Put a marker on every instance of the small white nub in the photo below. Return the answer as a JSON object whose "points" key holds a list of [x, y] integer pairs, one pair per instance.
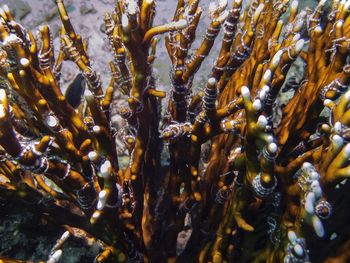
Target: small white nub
{"points": [[299, 45], [318, 227], [337, 127], [294, 5], [96, 215], [325, 127], [268, 75], [51, 121], [275, 61], [310, 203], [6, 8], [212, 7], [222, 17], [125, 21], [65, 235], [300, 22], [238, 150], [245, 93], [96, 129], [318, 29], [347, 151], [24, 62], [2, 13], [132, 8], [339, 24], [346, 6], [333, 236], [328, 103], [88, 93], [316, 188], [2, 111], [266, 88], [258, 12], [298, 249], [347, 95], [212, 82], [102, 198], [106, 169], [296, 37], [337, 141], [262, 121], [2, 95], [269, 139], [222, 3], [262, 95], [292, 236], [306, 166], [92, 155], [257, 105], [272, 147], [314, 175], [55, 257]]}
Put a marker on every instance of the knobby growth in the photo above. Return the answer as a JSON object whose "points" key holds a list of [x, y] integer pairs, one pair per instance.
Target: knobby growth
{"points": [[267, 191]]}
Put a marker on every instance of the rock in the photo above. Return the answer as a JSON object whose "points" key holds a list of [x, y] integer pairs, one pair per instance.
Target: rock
{"points": [[20, 8], [87, 8], [108, 2], [103, 28]]}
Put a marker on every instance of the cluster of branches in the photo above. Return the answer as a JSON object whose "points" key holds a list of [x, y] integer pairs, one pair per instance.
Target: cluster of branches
{"points": [[262, 194]]}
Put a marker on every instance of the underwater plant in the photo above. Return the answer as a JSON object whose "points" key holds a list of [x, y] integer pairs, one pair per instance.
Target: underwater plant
{"points": [[225, 174]]}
